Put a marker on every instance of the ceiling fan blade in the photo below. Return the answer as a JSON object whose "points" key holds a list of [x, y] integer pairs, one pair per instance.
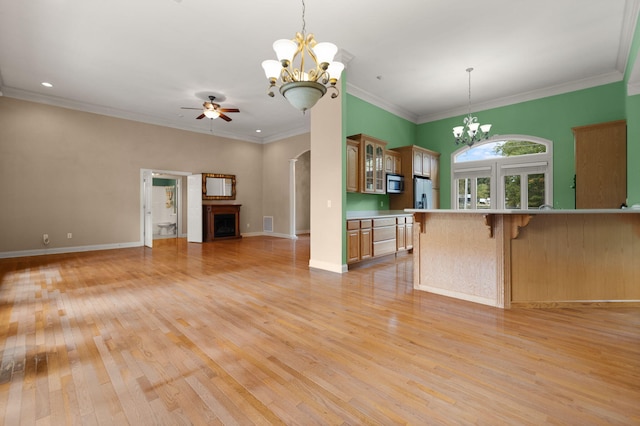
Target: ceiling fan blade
{"points": [[200, 116], [189, 108], [224, 117], [228, 110]]}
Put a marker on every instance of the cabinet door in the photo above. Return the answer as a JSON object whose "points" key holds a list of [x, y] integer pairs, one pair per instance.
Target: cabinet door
{"points": [[353, 246], [408, 236], [601, 165], [366, 243], [369, 167], [389, 163], [426, 164], [352, 167], [435, 171], [417, 163], [398, 164], [401, 230], [380, 184]]}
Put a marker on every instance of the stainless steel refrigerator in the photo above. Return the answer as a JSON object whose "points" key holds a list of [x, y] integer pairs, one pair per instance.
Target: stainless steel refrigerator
{"points": [[422, 193]]}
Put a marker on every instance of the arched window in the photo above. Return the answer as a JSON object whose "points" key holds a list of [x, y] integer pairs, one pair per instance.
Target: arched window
{"points": [[504, 172]]}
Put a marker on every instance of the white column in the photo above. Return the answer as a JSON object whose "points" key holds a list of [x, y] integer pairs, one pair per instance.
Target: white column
{"points": [[292, 198]]}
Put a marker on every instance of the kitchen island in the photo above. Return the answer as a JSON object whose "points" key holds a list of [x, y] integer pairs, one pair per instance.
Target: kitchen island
{"points": [[529, 258]]}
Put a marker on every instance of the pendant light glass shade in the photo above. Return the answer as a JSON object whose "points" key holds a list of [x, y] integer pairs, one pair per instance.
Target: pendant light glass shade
{"points": [[303, 95], [285, 49], [325, 52]]}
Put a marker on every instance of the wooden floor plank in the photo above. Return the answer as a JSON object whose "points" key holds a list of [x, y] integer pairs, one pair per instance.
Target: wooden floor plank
{"points": [[243, 332]]}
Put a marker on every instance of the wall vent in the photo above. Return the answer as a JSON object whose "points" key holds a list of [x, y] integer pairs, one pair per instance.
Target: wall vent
{"points": [[267, 223]]}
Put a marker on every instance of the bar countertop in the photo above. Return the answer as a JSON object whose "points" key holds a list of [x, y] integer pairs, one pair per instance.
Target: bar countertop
{"points": [[528, 212]]}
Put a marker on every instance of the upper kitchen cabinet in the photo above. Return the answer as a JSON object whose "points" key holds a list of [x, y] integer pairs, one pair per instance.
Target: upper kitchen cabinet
{"points": [[392, 162], [425, 162], [601, 165], [353, 159], [371, 174]]}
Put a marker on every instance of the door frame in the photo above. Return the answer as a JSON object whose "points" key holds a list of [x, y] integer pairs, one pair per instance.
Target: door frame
{"points": [[146, 200]]}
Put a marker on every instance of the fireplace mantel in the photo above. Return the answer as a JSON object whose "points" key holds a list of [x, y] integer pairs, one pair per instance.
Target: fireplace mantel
{"points": [[220, 221]]}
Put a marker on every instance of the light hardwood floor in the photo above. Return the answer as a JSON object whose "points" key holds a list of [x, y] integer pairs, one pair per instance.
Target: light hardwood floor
{"points": [[242, 332]]}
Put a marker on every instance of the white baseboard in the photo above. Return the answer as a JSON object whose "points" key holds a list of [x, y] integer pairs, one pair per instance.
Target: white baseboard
{"points": [[59, 250], [325, 266]]}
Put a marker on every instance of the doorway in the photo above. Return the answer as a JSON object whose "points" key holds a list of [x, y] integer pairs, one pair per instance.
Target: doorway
{"points": [[163, 204]]}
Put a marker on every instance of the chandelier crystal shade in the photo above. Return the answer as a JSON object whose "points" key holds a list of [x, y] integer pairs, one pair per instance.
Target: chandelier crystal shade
{"points": [[472, 131], [303, 87]]}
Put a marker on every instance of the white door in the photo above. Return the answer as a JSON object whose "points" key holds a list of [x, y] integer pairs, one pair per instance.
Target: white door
{"points": [[194, 208], [147, 182]]}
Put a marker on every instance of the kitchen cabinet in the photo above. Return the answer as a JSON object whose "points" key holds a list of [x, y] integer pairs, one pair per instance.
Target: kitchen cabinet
{"points": [[353, 166], [421, 163], [371, 175], [392, 162], [404, 233], [375, 236], [601, 165], [359, 242], [424, 163]]}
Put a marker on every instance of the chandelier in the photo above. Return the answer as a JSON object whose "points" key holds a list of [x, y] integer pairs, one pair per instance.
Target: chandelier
{"points": [[302, 87], [469, 133]]}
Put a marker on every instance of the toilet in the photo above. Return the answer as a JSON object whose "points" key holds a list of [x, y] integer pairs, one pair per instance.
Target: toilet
{"points": [[166, 228]]}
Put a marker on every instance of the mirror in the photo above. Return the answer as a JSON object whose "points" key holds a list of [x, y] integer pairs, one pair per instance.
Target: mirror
{"points": [[218, 187]]}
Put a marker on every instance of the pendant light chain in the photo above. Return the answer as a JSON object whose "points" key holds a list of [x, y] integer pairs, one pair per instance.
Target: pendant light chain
{"points": [[469, 72], [304, 23]]}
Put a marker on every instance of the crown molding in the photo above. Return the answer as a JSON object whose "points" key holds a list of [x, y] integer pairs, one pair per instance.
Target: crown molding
{"points": [[381, 103], [573, 86], [630, 20]]}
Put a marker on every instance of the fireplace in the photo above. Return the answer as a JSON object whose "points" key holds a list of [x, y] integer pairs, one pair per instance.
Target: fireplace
{"points": [[221, 221], [224, 225]]}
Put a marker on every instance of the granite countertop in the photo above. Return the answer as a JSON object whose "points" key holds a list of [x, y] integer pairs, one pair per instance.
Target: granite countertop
{"points": [[375, 214], [529, 212]]}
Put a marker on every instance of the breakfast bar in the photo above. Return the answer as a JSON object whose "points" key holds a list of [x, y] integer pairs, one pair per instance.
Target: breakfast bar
{"points": [[529, 258]]}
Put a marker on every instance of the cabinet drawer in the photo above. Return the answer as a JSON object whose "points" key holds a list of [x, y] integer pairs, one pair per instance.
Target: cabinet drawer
{"points": [[384, 247], [387, 221], [353, 224], [365, 223], [401, 220], [385, 233], [409, 219]]}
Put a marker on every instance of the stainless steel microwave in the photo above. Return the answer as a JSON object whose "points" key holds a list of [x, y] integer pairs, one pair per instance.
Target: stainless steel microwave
{"points": [[395, 183]]}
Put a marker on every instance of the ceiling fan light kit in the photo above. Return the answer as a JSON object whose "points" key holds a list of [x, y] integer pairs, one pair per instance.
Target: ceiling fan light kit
{"points": [[303, 88], [471, 132]]}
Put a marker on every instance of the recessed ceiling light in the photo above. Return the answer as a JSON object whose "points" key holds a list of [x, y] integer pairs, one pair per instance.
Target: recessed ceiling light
{"points": [[45, 84], [258, 131]]}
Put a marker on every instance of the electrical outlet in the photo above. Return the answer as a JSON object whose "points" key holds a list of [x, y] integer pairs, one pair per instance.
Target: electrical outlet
{"points": [[381, 203], [248, 225], [45, 239], [69, 235]]}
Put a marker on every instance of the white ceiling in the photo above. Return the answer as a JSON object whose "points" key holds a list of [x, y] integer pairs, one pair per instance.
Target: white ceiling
{"points": [[144, 59]]}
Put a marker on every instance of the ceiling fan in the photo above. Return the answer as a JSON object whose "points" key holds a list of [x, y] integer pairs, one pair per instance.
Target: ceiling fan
{"points": [[213, 110]]}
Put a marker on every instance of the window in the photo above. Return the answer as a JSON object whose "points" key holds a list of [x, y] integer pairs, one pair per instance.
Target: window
{"points": [[510, 172]]}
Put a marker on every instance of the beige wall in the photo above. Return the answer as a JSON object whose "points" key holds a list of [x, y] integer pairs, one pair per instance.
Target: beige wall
{"points": [[70, 171], [276, 167]]}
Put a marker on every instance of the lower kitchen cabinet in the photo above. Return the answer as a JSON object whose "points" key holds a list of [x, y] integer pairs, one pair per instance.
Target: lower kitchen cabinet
{"points": [[378, 236]]}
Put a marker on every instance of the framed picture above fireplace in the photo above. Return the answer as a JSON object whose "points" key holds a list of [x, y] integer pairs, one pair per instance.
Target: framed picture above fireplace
{"points": [[218, 187]]}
